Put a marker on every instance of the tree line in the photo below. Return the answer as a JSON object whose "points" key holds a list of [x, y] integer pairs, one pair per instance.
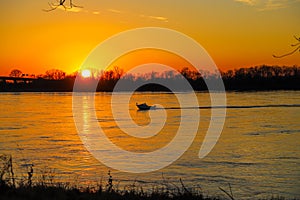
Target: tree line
{"points": [[262, 77], [52, 74]]}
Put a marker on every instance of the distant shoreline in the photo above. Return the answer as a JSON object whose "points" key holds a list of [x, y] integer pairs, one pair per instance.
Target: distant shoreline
{"points": [[262, 78], [155, 89], [151, 91]]}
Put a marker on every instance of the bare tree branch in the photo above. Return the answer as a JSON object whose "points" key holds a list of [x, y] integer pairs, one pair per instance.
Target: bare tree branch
{"points": [[62, 4], [297, 45], [298, 48], [73, 5], [293, 45], [298, 39]]}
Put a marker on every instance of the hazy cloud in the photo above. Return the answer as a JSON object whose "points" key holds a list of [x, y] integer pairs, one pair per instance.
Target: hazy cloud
{"points": [[114, 10], [160, 18], [262, 5], [96, 12], [250, 2]]}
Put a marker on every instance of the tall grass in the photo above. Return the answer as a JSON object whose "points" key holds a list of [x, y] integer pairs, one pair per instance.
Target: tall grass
{"points": [[46, 188]]}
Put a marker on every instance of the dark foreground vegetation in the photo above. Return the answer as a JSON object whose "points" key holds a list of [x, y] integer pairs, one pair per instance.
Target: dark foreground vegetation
{"points": [[243, 79], [62, 193], [14, 188]]}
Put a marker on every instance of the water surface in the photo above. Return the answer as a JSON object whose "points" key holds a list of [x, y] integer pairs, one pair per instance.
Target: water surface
{"points": [[257, 153]]}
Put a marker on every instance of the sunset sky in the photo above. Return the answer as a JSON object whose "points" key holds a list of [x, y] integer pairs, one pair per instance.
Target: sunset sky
{"points": [[236, 33]]}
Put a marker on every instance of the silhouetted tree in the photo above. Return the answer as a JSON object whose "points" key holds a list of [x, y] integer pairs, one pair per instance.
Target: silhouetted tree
{"points": [[72, 76], [55, 74], [118, 72], [185, 72], [15, 73], [254, 78]]}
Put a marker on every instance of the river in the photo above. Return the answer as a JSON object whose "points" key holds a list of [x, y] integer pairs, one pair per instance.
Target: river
{"points": [[257, 152]]}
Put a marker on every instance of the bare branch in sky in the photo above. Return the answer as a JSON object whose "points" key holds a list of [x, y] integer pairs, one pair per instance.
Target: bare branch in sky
{"points": [[61, 3], [297, 45]]}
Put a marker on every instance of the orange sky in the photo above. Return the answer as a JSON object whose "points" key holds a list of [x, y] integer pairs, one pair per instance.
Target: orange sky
{"points": [[236, 33], [140, 57]]}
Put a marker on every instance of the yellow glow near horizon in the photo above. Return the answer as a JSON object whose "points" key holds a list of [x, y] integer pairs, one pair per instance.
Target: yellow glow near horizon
{"points": [[86, 73]]}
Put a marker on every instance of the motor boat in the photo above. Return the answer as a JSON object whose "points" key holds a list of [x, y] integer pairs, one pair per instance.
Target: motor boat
{"points": [[144, 106]]}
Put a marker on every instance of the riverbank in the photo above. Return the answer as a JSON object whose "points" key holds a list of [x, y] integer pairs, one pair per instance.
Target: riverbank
{"points": [[64, 191], [45, 187]]}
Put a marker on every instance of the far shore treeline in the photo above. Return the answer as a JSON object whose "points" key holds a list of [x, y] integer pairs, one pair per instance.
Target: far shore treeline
{"points": [[243, 79]]}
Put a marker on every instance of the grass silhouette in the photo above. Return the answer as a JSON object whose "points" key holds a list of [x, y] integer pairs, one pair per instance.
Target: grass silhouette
{"points": [[46, 188]]}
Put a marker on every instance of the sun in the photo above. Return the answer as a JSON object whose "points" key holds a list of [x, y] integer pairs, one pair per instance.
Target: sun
{"points": [[86, 73]]}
